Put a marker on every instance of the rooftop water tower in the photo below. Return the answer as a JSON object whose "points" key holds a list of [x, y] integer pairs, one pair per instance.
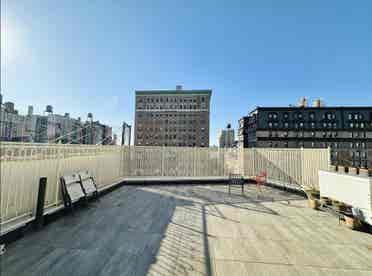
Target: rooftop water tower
{"points": [[90, 116], [49, 109]]}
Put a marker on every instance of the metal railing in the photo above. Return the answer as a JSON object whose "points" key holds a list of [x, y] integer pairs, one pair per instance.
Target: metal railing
{"points": [[22, 164]]}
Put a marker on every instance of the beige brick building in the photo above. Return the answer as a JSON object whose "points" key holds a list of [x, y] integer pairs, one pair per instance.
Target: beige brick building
{"points": [[172, 118]]}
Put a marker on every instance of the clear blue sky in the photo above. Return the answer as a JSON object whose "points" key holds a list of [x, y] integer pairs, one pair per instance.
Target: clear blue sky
{"points": [[90, 55]]}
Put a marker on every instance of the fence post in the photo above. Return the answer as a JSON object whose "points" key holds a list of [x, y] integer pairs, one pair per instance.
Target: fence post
{"points": [[131, 156], [242, 161], [162, 160], [39, 218], [302, 166], [59, 157], [254, 161], [193, 160], [121, 169], [329, 158]]}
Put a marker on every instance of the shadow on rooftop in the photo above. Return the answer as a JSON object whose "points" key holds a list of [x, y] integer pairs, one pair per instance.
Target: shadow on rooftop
{"points": [[147, 230], [131, 231]]}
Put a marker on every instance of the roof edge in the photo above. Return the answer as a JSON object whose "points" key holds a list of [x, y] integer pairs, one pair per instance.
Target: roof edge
{"points": [[173, 91]]}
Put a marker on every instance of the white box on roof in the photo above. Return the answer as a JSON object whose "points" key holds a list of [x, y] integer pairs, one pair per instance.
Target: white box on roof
{"points": [[352, 190]]}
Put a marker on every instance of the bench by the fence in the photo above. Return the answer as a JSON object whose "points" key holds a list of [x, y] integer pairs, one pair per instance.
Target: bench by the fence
{"points": [[72, 190], [88, 184], [77, 186]]}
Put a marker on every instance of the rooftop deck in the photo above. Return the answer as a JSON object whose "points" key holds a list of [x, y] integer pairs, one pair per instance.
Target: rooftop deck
{"points": [[192, 230]]}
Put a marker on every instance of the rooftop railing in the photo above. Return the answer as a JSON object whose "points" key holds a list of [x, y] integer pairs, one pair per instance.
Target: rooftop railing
{"points": [[22, 164]]}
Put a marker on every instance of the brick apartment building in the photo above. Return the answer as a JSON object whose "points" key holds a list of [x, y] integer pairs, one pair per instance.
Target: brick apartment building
{"points": [[172, 117], [346, 130]]}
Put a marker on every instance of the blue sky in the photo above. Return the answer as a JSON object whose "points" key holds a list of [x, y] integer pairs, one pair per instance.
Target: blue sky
{"points": [[90, 55]]}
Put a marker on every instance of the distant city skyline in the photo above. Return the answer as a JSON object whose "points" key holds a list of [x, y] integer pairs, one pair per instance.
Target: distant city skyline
{"points": [[24, 110], [51, 127], [89, 56]]}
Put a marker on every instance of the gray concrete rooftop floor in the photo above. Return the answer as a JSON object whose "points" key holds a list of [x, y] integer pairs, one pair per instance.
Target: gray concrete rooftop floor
{"points": [[192, 230]]}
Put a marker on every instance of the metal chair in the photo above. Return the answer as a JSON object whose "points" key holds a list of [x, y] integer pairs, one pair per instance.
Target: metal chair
{"points": [[261, 180], [236, 179]]}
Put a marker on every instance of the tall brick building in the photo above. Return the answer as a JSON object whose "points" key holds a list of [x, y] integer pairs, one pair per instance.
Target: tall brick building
{"points": [[172, 118]]}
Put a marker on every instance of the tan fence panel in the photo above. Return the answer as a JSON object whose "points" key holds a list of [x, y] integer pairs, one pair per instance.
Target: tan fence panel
{"points": [[180, 162], [17, 197], [282, 165], [312, 162], [22, 165], [296, 168]]}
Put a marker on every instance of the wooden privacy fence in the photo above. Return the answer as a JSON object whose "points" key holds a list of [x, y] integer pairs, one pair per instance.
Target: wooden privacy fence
{"points": [[22, 164]]}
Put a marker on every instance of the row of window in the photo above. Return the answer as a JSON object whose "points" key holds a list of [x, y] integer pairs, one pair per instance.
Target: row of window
{"points": [[302, 125], [169, 129], [166, 136], [328, 125], [355, 116], [157, 129], [330, 134], [171, 144], [300, 116], [352, 154], [358, 154], [174, 122], [357, 125], [160, 107], [168, 99], [301, 134], [167, 115], [357, 145]]}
